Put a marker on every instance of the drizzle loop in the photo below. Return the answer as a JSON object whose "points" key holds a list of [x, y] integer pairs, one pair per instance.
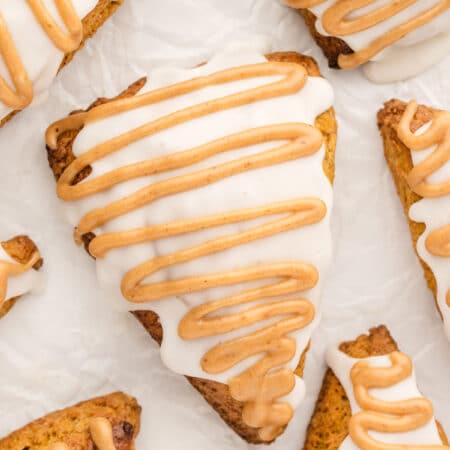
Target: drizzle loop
{"points": [[10, 269], [22, 94], [438, 134], [336, 22], [384, 416], [260, 386]]}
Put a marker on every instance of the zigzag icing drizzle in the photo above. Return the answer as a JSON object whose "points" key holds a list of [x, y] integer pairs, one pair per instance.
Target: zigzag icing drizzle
{"points": [[430, 178], [22, 94], [388, 411], [374, 28], [270, 310], [54, 28]]}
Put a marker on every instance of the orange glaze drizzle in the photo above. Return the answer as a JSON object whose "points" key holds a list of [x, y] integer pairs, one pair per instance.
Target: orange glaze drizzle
{"points": [[438, 134], [22, 94], [260, 386], [101, 433], [11, 269], [384, 416], [336, 22]]}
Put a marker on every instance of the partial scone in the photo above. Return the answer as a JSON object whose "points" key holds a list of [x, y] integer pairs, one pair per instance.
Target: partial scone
{"points": [[229, 240], [416, 145], [398, 40], [37, 42], [357, 407], [103, 423], [19, 262]]}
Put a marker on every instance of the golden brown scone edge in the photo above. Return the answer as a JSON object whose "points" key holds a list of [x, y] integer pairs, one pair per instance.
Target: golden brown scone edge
{"points": [[71, 425], [331, 46], [398, 157]]}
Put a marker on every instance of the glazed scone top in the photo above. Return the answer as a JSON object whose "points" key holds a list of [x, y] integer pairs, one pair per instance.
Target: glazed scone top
{"points": [[17, 279], [388, 410], [430, 178], [246, 200], [51, 26], [398, 40]]}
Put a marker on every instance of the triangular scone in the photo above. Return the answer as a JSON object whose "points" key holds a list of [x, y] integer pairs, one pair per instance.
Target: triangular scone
{"points": [[394, 42], [88, 425], [422, 197], [62, 160], [14, 33], [348, 380], [19, 259]]}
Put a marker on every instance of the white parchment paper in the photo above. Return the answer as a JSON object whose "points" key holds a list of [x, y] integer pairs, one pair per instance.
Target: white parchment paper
{"points": [[66, 345]]}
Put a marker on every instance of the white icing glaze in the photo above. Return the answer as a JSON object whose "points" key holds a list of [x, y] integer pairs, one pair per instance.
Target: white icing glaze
{"points": [[40, 56], [341, 364], [298, 178], [411, 61], [29, 281], [434, 213], [395, 62]]}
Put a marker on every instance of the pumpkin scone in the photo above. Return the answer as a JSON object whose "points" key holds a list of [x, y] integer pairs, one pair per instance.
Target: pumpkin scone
{"points": [[417, 148], [20, 261], [392, 40], [189, 189], [39, 38], [110, 422], [369, 400]]}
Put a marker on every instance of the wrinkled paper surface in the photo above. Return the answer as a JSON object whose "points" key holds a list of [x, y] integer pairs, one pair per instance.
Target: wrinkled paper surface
{"points": [[65, 344]]}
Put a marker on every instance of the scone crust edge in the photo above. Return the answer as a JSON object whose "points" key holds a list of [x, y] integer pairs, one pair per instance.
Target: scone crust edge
{"points": [[331, 46], [399, 160], [71, 425]]}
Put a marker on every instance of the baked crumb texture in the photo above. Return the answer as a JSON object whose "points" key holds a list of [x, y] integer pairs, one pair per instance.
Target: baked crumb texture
{"points": [[398, 157], [71, 425], [331, 46], [216, 394], [91, 23], [329, 424], [21, 249]]}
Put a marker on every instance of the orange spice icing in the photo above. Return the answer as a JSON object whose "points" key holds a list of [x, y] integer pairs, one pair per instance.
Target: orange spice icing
{"points": [[386, 416], [438, 134], [11, 269], [262, 385], [340, 20], [101, 433], [21, 95]]}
